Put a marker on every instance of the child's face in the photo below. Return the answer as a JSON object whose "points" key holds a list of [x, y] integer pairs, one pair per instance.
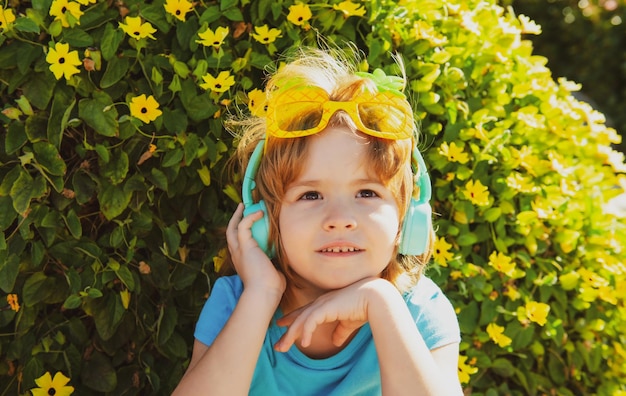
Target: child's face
{"points": [[338, 222]]}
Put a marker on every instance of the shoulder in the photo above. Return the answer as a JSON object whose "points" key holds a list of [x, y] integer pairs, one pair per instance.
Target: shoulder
{"points": [[433, 313], [218, 308]]}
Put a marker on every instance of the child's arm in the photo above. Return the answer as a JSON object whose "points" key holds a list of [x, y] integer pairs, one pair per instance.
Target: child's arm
{"points": [[406, 364], [226, 367]]}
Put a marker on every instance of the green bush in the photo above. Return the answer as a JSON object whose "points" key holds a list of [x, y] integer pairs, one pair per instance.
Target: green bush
{"points": [[112, 199], [584, 41]]}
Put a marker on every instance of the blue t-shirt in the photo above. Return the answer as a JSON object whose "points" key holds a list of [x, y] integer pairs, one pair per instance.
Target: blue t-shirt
{"points": [[352, 371]]}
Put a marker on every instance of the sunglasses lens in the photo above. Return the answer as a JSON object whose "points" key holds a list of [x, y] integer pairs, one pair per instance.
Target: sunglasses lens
{"points": [[382, 117], [299, 116]]}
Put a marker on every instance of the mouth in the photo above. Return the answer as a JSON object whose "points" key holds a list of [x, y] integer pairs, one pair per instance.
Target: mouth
{"points": [[340, 249]]}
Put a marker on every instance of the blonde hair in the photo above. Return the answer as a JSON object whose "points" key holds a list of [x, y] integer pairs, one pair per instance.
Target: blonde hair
{"points": [[282, 162]]}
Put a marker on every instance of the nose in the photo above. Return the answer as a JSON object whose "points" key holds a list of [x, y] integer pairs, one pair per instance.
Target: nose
{"points": [[339, 216]]}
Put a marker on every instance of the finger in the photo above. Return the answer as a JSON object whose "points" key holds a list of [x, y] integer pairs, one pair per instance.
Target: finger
{"points": [[231, 229], [294, 320], [288, 319]]}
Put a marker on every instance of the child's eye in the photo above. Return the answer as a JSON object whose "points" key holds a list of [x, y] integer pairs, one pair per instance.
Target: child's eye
{"points": [[311, 195], [367, 194]]}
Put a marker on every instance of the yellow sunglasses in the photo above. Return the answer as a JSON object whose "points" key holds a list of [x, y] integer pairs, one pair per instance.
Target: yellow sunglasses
{"points": [[306, 110]]}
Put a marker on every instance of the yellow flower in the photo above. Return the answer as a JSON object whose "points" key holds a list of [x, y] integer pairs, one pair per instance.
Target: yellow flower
{"points": [[62, 61], [62, 9], [178, 8], [453, 153], [299, 14], [529, 26], [441, 252], [12, 300], [512, 292], [477, 193], [465, 370], [219, 260], [52, 386], [146, 109], [6, 18], [137, 30], [349, 9], [221, 83], [496, 333], [537, 312], [86, 2], [257, 102], [265, 35], [502, 263], [214, 39]]}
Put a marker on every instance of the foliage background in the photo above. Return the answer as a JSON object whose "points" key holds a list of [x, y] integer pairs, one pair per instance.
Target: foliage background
{"points": [[112, 225], [584, 41]]}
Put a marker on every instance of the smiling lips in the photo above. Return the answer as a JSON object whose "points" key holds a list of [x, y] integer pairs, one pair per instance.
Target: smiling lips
{"points": [[340, 249]]}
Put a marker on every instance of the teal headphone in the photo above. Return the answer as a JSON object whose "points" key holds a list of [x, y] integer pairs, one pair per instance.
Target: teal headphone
{"points": [[417, 221]]}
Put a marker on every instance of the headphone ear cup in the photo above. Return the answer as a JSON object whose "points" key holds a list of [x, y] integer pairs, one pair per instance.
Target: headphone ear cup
{"points": [[260, 228], [416, 229]]}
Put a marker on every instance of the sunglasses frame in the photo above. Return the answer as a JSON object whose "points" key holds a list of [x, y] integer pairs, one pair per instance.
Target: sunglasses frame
{"points": [[312, 94]]}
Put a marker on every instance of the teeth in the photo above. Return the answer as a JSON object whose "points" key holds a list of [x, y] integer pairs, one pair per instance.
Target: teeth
{"points": [[339, 249]]}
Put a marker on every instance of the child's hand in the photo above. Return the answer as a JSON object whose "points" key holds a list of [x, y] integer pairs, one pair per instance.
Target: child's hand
{"points": [[348, 307], [252, 265]]}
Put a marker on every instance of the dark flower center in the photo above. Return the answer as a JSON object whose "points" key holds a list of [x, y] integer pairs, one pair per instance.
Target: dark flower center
{"points": [[300, 19], [177, 12], [144, 110], [63, 12], [61, 60], [52, 391], [137, 33], [218, 86]]}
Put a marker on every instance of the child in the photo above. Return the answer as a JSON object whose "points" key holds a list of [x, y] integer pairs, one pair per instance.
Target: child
{"points": [[328, 296]]}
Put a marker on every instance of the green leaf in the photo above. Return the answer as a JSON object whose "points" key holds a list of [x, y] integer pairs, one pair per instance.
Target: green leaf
{"points": [[111, 40], [26, 25], [172, 158], [503, 367], [49, 158], [9, 270], [124, 274], [37, 288], [62, 106], [116, 69], [158, 178], [77, 38], [15, 137], [175, 120], [234, 14], [155, 15], [113, 200], [226, 4], [22, 192], [191, 146], [100, 114], [73, 224], [99, 374], [108, 312], [38, 89], [72, 301], [117, 168], [84, 187], [171, 238], [35, 127], [167, 322], [26, 56]]}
